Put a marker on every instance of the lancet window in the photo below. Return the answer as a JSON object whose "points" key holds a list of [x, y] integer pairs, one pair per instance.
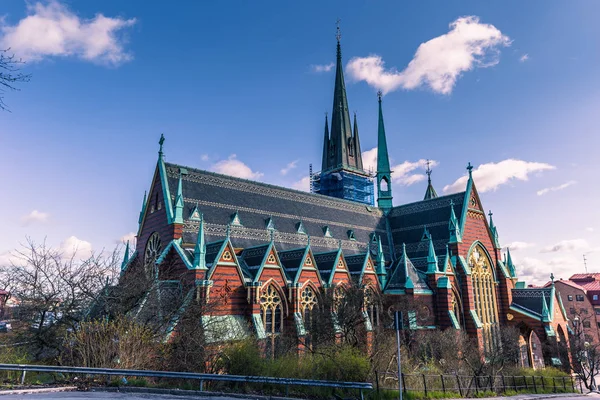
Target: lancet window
{"points": [[151, 254], [484, 293], [271, 314]]}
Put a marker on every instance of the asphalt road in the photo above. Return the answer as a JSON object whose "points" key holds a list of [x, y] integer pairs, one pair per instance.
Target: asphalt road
{"points": [[105, 395]]}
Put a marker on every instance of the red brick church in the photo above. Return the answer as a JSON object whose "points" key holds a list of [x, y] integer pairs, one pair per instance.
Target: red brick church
{"points": [[267, 254]]}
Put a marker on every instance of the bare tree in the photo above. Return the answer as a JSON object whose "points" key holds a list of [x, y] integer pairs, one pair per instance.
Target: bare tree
{"points": [[585, 352], [10, 75], [55, 293]]}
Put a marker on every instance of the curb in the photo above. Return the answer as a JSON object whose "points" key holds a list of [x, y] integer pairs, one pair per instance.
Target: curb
{"points": [[40, 390], [194, 393]]}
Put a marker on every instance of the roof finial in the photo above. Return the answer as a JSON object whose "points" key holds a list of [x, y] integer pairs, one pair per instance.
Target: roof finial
{"points": [[228, 230], [379, 95], [308, 240], [338, 34], [339, 244], [428, 170], [470, 169], [552, 278], [160, 142], [272, 235]]}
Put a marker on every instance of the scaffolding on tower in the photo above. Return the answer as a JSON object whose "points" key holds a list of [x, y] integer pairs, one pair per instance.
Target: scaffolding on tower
{"points": [[345, 184]]}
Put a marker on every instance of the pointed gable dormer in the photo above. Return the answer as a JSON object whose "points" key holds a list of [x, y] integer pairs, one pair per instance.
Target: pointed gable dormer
{"points": [[235, 219], [195, 214], [384, 173], [430, 193], [300, 228], [269, 224]]}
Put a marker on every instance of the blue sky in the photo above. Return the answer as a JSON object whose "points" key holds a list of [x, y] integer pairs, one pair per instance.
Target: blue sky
{"points": [[242, 88]]}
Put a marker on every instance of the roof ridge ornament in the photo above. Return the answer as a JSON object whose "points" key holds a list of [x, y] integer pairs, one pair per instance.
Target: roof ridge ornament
{"points": [[160, 142], [470, 169]]}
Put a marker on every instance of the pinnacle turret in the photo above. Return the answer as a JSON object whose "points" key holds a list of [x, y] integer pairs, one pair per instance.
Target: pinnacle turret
{"points": [[384, 173]]}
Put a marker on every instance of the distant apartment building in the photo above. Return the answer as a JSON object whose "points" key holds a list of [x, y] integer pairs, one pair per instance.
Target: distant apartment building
{"points": [[580, 296]]}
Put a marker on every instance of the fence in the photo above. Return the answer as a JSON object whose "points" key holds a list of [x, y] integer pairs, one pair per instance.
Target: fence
{"points": [[201, 378], [469, 386]]}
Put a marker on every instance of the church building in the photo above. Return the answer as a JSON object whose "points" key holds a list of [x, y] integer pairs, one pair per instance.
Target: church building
{"points": [[266, 253]]}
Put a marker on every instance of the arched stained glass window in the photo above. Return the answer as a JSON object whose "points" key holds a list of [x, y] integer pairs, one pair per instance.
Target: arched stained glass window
{"points": [[484, 294], [271, 315]]}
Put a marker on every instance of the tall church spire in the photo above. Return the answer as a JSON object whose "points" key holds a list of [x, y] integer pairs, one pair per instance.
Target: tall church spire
{"points": [[430, 193], [343, 148], [384, 174], [326, 145]]}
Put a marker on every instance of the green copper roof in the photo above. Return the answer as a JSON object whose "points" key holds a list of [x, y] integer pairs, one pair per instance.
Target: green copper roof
{"points": [[383, 160], [453, 225], [510, 265], [326, 145], [200, 250], [179, 202], [125, 257], [432, 261]]}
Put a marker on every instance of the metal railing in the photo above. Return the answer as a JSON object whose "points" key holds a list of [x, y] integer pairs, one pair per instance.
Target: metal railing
{"points": [[201, 378], [469, 386]]}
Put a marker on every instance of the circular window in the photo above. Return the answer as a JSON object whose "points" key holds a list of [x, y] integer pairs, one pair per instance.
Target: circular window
{"points": [[153, 248]]}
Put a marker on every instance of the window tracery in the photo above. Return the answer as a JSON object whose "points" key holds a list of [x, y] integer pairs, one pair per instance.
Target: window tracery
{"points": [[271, 315], [151, 254], [484, 293]]}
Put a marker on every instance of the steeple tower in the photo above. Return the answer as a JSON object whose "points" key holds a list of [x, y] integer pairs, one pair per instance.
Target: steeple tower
{"points": [[342, 173], [430, 193], [384, 174]]}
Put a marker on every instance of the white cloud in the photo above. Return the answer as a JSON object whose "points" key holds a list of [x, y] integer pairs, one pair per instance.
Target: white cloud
{"points": [[234, 167], [403, 173], [439, 62], [555, 188], [302, 184], [204, 157], [491, 175], [289, 167], [130, 237], [567, 245], [51, 29], [589, 229], [322, 67], [74, 247], [524, 58], [35, 216], [516, 246]]}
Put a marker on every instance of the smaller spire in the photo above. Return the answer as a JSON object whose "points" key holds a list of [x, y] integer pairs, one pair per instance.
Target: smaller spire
{"points": [[160, 142], [545, 311], [453, 225], [432, 261], [200, 249], [125, 257], [509, 263], [381, 271], [494, 231], [179, 201], [143, 211]]}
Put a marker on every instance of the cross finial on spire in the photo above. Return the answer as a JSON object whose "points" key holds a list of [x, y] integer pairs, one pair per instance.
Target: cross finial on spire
{"points": [[160, 142], [338, 34], [451, 202], [470, 169], [428, 170], [552, 278], [379, 95], [490, 214]]}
